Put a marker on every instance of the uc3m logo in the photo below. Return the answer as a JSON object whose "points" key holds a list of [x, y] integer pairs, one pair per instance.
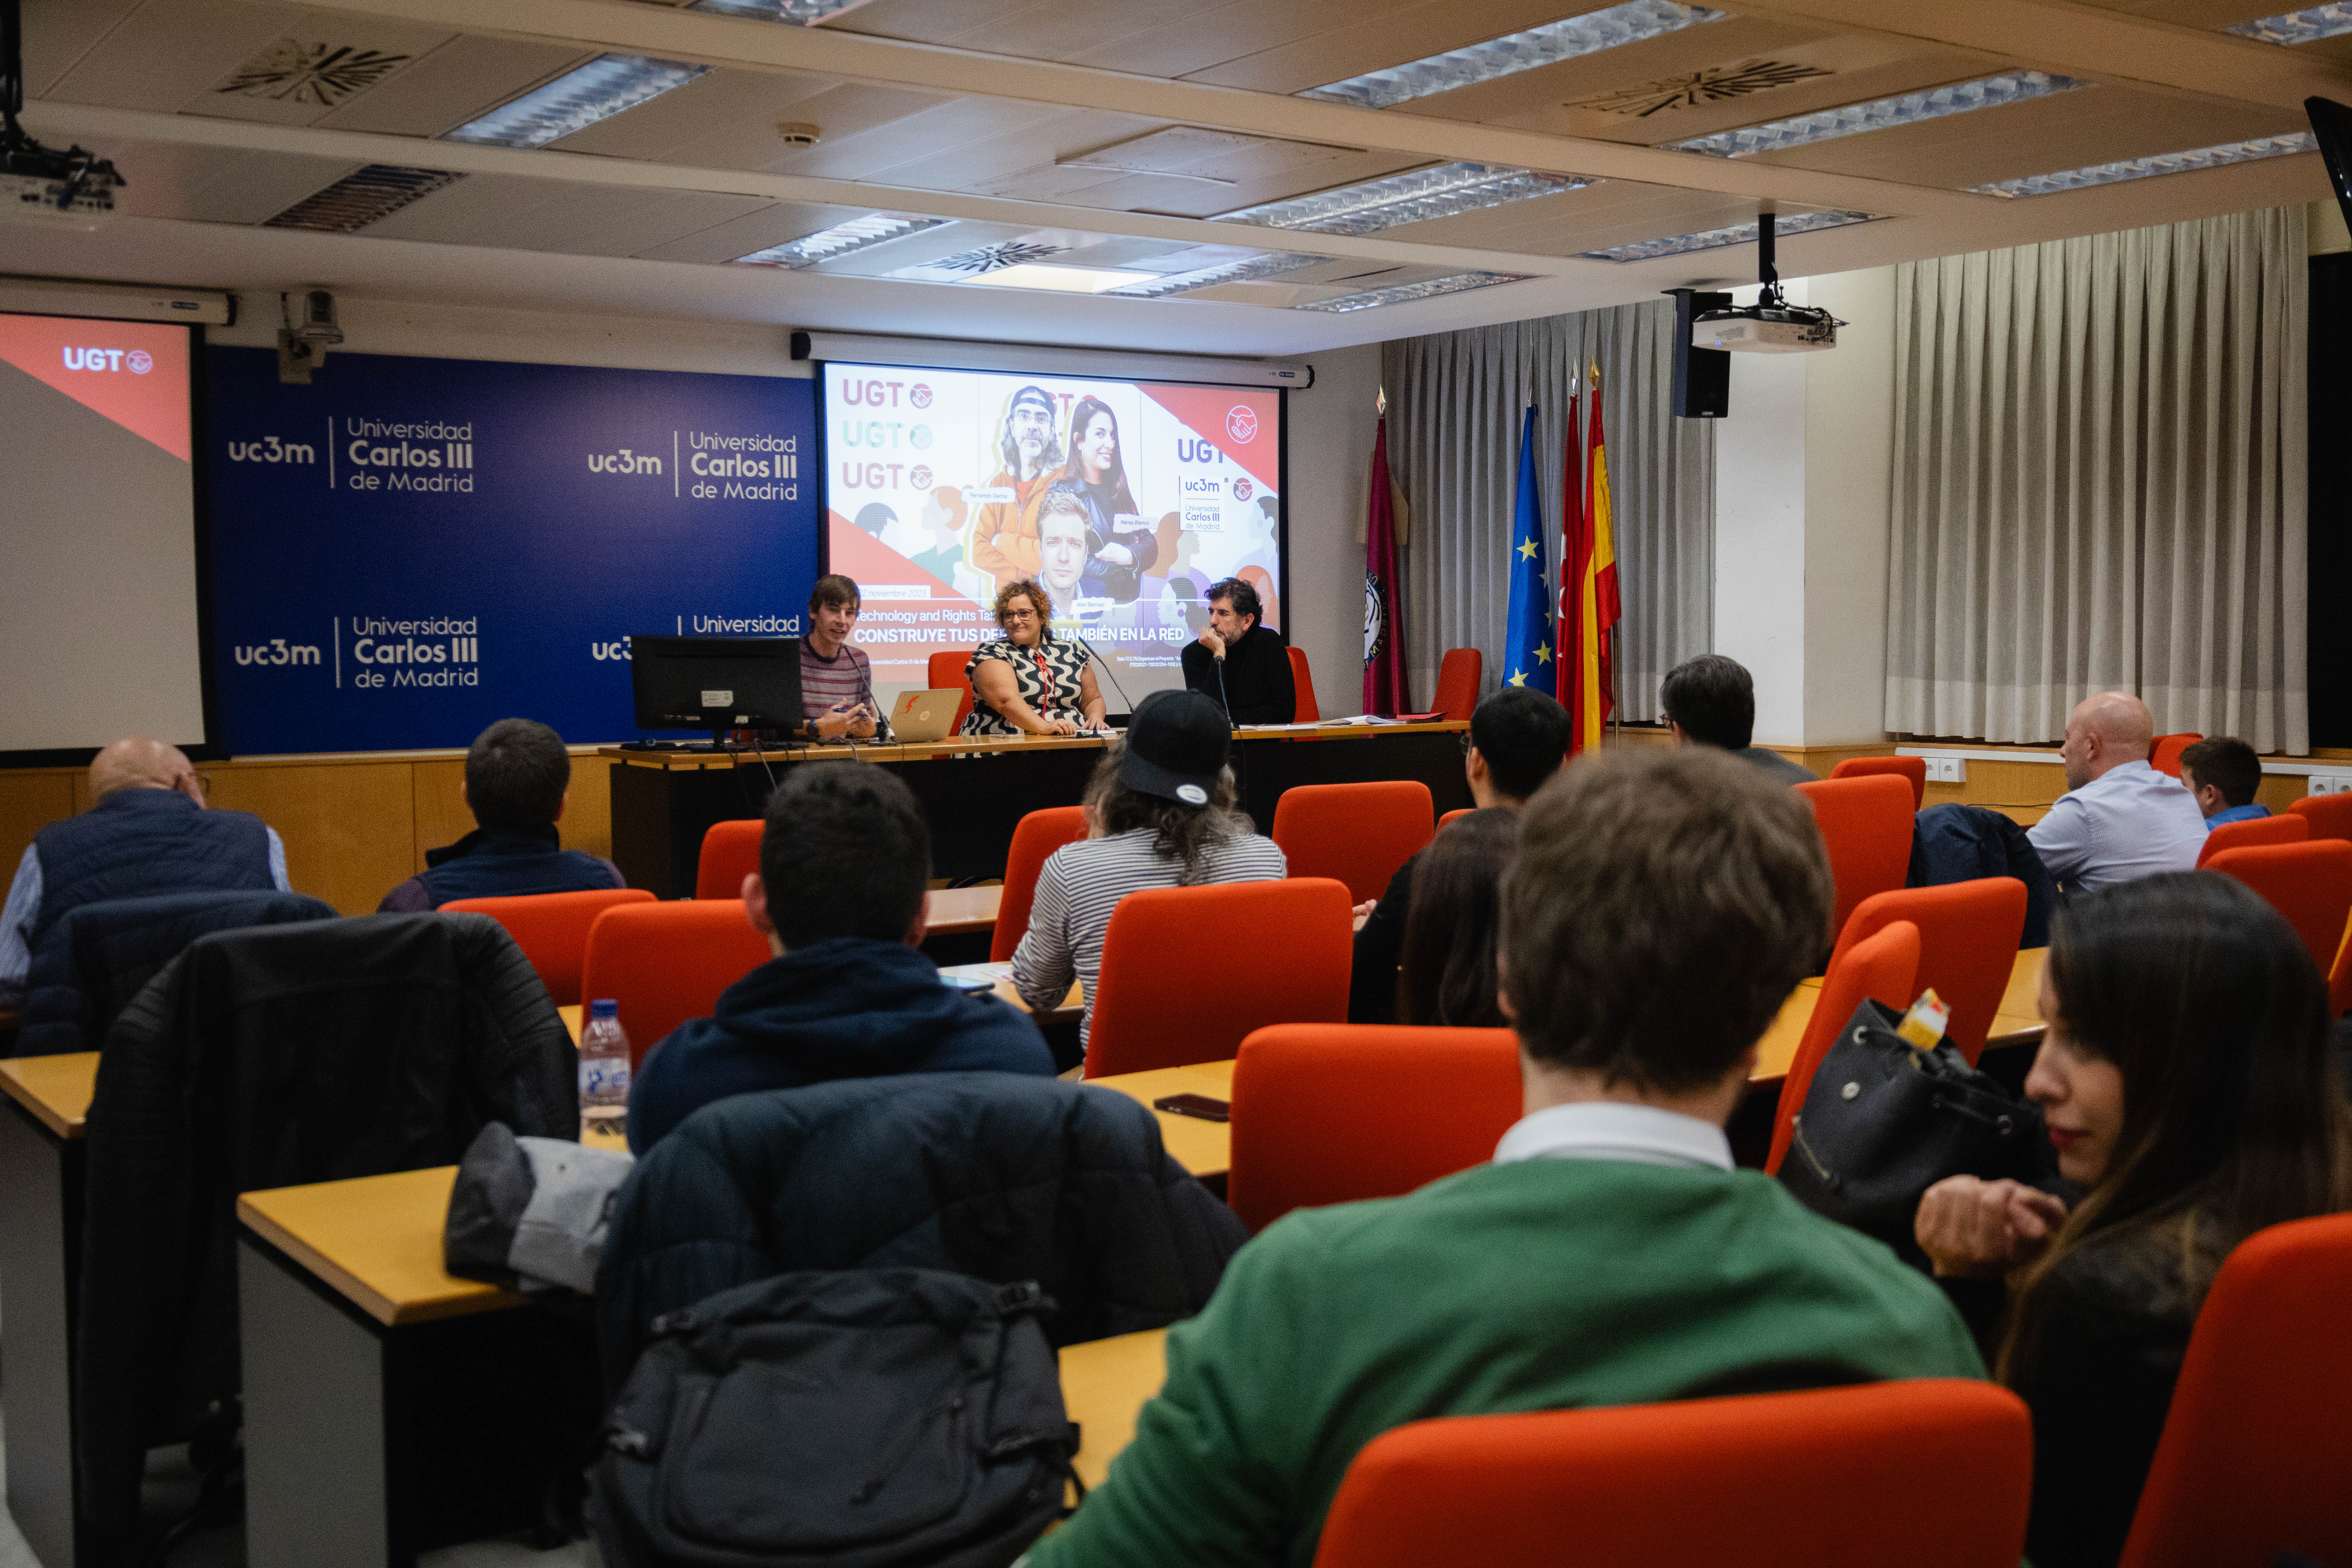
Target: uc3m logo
{"points": [[270, 450], [624, 462], [610, 649], [277, 651]]}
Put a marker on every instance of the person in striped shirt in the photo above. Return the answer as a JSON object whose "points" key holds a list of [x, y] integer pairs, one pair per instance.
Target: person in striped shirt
{"points": [[1161, 812], [836, 680]]}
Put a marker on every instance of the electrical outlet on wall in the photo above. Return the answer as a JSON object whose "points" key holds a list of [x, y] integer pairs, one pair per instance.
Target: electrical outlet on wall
{"points": [[2329, 783], [1947, 770]]}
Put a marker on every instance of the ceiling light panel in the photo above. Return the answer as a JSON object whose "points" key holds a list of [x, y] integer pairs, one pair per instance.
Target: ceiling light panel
{"points": [[841, 240], [1630, 23], [1783, 225], [1059, 280], [806, 12], [1446, 191], [1265, 264], [598, 91], [2298, 26], [1909, 109], [2144, 168], [1453, 283]]}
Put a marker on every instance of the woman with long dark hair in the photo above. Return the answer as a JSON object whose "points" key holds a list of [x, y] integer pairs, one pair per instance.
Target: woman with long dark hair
{"points": [[2192, 1094], [1446, 973], [1097, 472]]}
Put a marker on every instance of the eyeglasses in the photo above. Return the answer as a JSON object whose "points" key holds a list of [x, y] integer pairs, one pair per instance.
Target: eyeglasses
{"points": [[203, 783], [1464, 736], [1012, 615]]}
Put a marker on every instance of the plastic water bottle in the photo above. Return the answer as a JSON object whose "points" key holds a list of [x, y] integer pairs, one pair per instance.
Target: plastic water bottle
{"points": [[603, 1072]]}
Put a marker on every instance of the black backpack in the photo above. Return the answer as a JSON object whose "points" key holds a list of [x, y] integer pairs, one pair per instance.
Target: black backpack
{"points": [[861, 1420]]}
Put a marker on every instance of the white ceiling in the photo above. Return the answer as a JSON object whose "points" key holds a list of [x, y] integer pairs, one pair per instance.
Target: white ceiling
{"points": [[1113, 127]]}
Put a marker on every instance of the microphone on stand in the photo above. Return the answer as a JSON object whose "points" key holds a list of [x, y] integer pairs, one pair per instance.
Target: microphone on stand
{"points": [[1099, 659]]}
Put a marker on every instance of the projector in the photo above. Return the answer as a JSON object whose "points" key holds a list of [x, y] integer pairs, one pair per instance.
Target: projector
{"points": [[34, 198], [1789, 330]]}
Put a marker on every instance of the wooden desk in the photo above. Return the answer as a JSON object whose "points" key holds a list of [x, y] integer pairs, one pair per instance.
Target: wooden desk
{"points": [[42, 1164], [958, 911], [1104, 1385], [1072, 1004], [2018, 1021], [1203, 1148]]}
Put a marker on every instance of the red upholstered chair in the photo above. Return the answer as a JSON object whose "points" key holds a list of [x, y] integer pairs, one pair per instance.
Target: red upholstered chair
{"points": [[2284, 829], [1968, 946], [1357, 833], [946, 670], [1327, 1113], [2310, 884], [1866, 824], [2330, 815], [731, 852], [1458, 678], [2250, 1465], [665, 964], [1034, 838], [1303, 679], [1188, 973], [2165, 756], [1929, 1473], [1884, 968], [1912, 768], [551, 928], [1453, 816]]}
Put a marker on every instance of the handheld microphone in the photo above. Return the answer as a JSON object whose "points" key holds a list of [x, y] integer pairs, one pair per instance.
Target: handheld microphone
{"points": [[1099, 659]]}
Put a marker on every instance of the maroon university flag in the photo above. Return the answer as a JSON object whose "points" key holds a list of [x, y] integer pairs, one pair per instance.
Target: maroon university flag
{"points": [[1384, 676]]}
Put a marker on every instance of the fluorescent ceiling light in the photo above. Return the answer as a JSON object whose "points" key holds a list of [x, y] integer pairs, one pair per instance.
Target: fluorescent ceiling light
{"points": [[1784, 224], [1062, 279], [1415, 198], [1590, 34], [2298, 26], [1459, 282], [807, 13], [1265, 264], [1910, 109], [575, 100], [839, 240], [2161, 163]]}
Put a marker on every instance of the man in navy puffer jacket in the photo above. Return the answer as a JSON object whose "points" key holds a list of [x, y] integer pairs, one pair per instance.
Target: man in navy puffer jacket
{"points": [[840, 894]]}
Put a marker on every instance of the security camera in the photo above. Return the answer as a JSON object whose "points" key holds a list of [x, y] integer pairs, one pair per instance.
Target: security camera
{"points": [[310, 330]]}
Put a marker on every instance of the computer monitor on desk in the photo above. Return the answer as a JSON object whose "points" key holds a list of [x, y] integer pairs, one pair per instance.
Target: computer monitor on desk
{"points": [[716, 683]]}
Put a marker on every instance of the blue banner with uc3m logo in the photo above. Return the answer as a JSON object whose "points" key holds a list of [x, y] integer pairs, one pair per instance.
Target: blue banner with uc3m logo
{"points": [[406, 550]]}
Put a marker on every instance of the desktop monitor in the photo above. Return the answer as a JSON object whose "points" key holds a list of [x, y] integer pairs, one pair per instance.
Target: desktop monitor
{"points": [[716, 683]]}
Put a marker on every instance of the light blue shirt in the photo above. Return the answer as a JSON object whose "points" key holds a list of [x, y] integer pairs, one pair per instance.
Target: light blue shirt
{"points": [[24, 908], [2129, 822]]}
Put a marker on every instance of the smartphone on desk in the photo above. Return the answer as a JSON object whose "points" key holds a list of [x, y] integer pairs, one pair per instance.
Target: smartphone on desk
{"points": [[1199, 1105]]}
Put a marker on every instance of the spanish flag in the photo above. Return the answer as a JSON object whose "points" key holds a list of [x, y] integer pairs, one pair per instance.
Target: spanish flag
{"points": [[1592, 579]]}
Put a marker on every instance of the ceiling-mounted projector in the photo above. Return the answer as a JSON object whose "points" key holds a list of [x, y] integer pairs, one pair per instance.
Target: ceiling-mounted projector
{"points": [[73, 189], [1771, 325]]}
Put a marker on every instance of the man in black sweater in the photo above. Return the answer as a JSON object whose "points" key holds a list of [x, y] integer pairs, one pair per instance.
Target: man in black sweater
{"points": [[1517, 739], [1243, 666]]}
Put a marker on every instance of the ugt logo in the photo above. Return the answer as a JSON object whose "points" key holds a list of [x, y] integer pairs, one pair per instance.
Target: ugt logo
{"points": [[1241, 424], [1241, 489], [919, 395]]}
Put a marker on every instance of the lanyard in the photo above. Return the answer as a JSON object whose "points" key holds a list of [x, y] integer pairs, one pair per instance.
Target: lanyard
{"points": [[1044, 670]]}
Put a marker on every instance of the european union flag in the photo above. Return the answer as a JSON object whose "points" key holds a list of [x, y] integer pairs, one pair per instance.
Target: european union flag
{"points": [[1529, 650]]}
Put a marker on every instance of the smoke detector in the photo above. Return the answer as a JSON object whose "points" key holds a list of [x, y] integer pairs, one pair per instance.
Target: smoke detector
{"points": [[796, 134]]}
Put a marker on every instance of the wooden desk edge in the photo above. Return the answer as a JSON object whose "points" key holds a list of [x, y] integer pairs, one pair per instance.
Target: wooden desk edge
{"points": [[390, 1314], [12, 1081]]}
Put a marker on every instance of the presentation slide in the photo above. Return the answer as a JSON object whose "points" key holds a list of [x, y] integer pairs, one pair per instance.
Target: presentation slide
{"points": [[99, 629], [1124, 499]]}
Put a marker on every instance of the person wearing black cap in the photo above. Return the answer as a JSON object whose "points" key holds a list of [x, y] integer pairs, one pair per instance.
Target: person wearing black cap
{"points": [[1159, 813], [1242, 664]]}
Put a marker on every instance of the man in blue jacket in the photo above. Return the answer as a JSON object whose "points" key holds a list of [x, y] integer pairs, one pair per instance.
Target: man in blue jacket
{"points": [[518, 781], [840, 892]]}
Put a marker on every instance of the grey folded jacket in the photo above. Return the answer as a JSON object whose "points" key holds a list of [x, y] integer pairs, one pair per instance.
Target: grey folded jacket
{"points": [[531, 1213]]}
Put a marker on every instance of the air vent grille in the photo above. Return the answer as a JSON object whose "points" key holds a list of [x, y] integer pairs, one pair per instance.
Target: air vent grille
{"points": [[358, 199]]}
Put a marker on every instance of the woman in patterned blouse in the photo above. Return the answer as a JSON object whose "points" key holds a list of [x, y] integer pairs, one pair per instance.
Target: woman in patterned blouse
{"points": [[1030, 681]]}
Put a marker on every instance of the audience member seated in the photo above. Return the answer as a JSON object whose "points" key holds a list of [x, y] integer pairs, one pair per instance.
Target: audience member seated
{"points": [[1710, 700], [844, 861], [518, 781], [1447, 975], [1159, 813], [146, 834], [1659, 909], [1517, 739], [1029, 681], [2119, 817], [837, 680], [1243, 667], [2189, 1087], [2221, 776]]}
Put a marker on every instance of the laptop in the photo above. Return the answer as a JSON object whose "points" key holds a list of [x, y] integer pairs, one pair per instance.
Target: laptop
{"points": [[921, 716]]}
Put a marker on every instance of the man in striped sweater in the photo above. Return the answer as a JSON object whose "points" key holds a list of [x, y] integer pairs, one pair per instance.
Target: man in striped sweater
{"points": [[836, 680]]}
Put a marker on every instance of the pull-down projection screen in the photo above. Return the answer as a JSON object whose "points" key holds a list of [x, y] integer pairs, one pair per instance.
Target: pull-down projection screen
{"points": [[99, 593]]}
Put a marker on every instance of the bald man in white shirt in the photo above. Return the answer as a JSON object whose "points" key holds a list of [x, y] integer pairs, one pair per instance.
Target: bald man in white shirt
{"points": [[2119, 817]]}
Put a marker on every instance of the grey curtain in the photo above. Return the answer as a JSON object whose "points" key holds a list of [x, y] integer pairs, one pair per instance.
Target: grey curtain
{"points": [[2099, 483], [1455, 401]]}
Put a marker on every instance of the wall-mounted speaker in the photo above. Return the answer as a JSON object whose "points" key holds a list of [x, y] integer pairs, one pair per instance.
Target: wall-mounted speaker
{"points": [[1702, 376]]}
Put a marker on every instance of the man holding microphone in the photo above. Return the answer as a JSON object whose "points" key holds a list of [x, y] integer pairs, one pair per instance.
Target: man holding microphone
{"points": [[836, 680]]}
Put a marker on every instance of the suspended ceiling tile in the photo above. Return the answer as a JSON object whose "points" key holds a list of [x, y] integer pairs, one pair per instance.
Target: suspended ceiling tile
{"points": [[740, 237], [169, 51], [966, 163], [216, 184], [468, 212], [688, 115], [911, 138], [510, 212], [316, 67], [1373, 35], [57, 36], [454, 84]]}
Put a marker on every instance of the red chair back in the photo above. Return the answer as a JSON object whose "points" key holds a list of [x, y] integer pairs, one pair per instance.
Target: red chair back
{"points": [[1453, 816], [1458, 678], [1912, 768], [2310, 884], [2250, 1465], [2286, 828], [1034, 836], [1929, 1473], [2330, 815], [1327, 1113], [1968, 946], [2165, 756], [1866, 824], [731, 852], [665, 964], [1884, 968], [947, 670], [1303, 680], [1189, 973], [1356, 832], [551, 928]]}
